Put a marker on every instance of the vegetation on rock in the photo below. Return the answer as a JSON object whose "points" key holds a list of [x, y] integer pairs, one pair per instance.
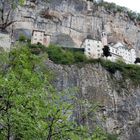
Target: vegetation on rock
{"points": [[106, 51], [113, 8], [128, 71], [30, 107], [60, 55]]}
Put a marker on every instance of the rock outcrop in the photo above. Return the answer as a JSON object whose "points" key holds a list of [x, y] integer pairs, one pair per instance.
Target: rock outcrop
{"points": [[119, 100], [72, 18], [69, 22]]}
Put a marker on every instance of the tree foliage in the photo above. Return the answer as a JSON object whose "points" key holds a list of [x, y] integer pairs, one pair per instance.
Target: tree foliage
{"points": [[113, 8], [137, 60], [106, 51], [30, 108], [65, 56]]}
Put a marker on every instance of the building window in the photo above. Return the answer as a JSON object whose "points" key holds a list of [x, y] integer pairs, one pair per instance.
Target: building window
{"points": [[98, 46], [89, 53], [89, 49]]}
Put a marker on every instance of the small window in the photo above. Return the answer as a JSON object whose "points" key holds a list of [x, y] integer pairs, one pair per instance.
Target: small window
{"points": [[88, 52], [98, 46], [89, 49]]}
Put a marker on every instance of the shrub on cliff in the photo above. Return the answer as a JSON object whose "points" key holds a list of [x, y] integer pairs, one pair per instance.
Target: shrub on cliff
{"points": [[64, 56], [37, 48], [129, 71], [79, 57], [132, 15], [59, 56]]}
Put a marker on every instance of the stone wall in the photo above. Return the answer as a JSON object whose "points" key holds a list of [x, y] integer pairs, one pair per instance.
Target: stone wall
{"points": [[5, 41], [119, 100]]}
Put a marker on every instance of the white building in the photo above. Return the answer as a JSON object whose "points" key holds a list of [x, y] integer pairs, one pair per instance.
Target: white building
{"points": [[39, 36], [121, 52], [5, 41], [93, 48]]}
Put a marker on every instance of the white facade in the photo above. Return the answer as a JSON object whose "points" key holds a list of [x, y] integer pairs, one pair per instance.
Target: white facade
{"points": [[40, 37], [104, 39], [119, 51], [93, 48], [5, 41]]}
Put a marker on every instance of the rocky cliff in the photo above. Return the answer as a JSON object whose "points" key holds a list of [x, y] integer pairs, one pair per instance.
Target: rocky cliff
{"points": [[70, 21], [119, 99]]}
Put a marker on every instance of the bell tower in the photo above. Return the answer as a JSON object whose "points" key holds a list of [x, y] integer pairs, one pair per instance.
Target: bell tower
{"points": [[103, 36]]}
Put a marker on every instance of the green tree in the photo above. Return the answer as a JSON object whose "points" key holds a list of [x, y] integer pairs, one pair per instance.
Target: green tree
{"points": [[30, 108], [106, 51], [137, 60], [79, 57], [132, 15], [59, 55], [99, 134], [22, 38]]}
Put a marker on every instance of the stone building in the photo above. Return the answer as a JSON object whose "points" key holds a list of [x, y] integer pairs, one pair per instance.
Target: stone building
{"points": [[39, 36], [121, 52], [93, 48]]}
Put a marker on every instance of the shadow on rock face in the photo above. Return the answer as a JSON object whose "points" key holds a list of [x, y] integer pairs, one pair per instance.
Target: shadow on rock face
{"points": [[18, 32], [63, 40]]}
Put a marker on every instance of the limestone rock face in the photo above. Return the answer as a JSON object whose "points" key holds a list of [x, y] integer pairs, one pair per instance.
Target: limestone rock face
{"points": [[119, 100], [72, 17]]}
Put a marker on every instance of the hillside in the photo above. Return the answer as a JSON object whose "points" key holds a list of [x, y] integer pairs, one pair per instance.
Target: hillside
{"points": [[36, 82]]}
